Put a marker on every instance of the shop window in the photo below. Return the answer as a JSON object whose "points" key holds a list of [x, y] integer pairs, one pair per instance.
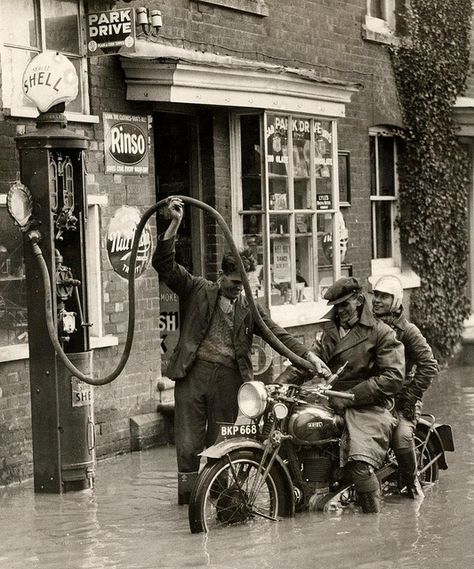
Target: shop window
{"points": [[29, 27], [285, 192], [13, 307], [384, 202]]}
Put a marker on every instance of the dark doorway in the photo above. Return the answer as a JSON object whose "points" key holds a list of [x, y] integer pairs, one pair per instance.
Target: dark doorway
{"points": [[176, 160]]}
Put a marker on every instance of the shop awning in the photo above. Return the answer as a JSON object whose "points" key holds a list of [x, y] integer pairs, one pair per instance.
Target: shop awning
{"points": [[158, 72]]}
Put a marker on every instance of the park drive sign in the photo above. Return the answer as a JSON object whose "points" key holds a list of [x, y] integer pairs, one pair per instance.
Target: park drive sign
{"points": [[109, 33]]}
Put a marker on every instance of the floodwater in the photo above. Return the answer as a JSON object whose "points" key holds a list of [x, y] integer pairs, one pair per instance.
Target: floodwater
{"points": [[131, 520]]}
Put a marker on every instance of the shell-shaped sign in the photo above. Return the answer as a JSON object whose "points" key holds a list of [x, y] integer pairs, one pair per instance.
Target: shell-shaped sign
{"points": [[50, 78], [120, 237]]}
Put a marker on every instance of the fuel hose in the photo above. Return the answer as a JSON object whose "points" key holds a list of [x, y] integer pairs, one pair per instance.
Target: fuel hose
{"points": [[266, 333]]}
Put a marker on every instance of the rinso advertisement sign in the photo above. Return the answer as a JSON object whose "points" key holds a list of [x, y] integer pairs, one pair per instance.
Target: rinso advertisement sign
{"points": [[120, 236], [112, 32], [126, 143]]}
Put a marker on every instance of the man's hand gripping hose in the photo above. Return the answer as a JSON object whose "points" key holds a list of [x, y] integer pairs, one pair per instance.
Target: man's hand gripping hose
{"points": [[267, 334]]}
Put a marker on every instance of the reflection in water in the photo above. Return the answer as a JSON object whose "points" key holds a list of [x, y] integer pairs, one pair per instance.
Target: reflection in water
{"points": [[131, 520]]}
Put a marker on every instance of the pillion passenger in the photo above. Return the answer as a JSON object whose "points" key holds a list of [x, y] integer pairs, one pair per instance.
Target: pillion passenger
{"points": [[421, 369], [212, 357], [374, 374]]}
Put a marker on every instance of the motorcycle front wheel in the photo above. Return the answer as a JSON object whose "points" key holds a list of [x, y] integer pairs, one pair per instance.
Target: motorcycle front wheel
{"points": [[230, 491]]}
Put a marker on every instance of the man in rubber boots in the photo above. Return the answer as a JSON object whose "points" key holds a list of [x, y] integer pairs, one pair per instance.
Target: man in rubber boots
{"points": [[374, 374], [212, 357], [421, 369]]}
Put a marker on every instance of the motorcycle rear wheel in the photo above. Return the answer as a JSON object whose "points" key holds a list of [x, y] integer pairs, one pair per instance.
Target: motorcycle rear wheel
{"points": [[425, 454], [220, 496]]}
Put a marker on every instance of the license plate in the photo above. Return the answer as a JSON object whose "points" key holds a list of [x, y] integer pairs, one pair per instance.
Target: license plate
{"points": [[231, 431]]}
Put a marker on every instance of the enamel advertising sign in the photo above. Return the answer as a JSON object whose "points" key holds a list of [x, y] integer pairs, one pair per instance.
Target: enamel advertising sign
{"points": [[126, 143], [109, 33], [120, 237]]}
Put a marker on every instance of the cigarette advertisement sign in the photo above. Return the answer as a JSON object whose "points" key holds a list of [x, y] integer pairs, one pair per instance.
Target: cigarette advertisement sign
{"points": [[126, 142], [112, 32]]}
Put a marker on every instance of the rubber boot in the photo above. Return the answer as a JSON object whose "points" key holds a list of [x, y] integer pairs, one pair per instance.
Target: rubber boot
{"points": [[186, 481], [366, 485], [408, 474]]}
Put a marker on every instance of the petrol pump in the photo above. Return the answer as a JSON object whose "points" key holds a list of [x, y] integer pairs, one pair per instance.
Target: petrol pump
{"points": [[49, 206]]}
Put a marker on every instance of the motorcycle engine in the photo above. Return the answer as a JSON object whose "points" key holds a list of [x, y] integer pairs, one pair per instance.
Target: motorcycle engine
{"points": [[313, 424]]}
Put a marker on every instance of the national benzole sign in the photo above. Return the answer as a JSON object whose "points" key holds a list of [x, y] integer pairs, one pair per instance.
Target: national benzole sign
{"points": [[112, 32]]}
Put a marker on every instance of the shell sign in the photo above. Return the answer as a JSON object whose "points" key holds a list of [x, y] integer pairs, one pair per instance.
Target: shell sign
{"points": [[49, 79], [126, 143]]}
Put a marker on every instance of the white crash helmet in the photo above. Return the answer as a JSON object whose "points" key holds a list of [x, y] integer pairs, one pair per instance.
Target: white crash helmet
{"points": [[391, 284]]}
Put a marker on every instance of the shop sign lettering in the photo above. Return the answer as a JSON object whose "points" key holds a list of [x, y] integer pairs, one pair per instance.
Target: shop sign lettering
{"points": [[111, 32], [120, 236], [126, 143], [168, 324], [81, 393]]}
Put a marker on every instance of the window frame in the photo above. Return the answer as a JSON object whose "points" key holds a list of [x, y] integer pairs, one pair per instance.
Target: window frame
{"points": [[295, 313], [10, 107], [383, 265]]}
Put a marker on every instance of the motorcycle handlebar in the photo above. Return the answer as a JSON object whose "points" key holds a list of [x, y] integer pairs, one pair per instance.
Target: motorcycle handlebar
{"points": [[340, 394]]}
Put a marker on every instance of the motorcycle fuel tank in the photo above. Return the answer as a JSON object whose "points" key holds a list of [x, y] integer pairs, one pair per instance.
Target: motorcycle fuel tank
{"points": [[313, 424]]}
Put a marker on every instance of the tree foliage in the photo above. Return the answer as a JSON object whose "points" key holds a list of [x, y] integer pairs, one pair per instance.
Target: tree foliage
{"points": [[431, 64]]}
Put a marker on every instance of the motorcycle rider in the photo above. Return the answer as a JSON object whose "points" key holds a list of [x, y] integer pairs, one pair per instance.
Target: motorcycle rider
{"points": [[212, 357], [421, 369], [374, 374]]}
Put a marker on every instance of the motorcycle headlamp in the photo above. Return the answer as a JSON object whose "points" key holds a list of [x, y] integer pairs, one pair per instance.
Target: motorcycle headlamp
{"points": [[252, 399]]}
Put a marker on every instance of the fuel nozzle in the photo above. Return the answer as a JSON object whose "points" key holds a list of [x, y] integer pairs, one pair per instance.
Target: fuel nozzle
{"points": [[335, 376]]}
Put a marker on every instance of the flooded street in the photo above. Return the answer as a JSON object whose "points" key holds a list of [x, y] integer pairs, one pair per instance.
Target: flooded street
{"points": [[131, 520]]}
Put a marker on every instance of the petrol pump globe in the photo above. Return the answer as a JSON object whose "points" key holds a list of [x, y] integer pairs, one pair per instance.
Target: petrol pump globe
{"points": [[49, 79]]}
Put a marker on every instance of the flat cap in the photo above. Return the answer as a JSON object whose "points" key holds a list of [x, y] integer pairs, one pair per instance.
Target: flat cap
{"points": [[342, 289]]}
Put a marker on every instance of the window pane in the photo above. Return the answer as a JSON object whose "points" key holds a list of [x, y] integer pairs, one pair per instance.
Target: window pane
{"points": [[302, 162], [62, 25], [323, 163], [18, 23], [251, 162], [13, 315], [76, 105], [376, 9], [277, 160], [13, 64], [373, 170], [383, 229], [256, 279], [386, 166], [304, 258]]}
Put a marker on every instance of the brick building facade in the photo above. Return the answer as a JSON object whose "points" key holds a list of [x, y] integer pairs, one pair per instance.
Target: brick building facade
{"points": [[281, 115]]}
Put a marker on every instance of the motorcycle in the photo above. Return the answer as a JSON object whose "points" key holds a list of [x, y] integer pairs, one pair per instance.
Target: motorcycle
{"points": [[286, 458]]}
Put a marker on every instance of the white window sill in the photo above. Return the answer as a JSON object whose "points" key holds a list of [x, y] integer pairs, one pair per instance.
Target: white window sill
{"points": [[21, 351], [30, 113], [377, 30], [301, 314], [256, 7]]}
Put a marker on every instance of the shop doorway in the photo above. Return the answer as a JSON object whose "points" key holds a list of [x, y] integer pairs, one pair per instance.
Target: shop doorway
{"points": [[178, 173]]}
